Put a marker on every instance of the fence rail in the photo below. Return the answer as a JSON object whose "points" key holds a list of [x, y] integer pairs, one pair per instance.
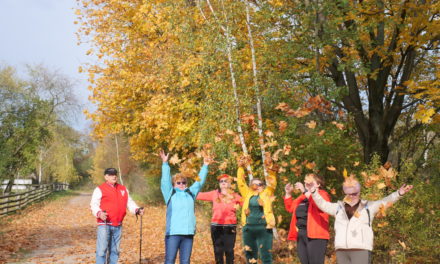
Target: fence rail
{"points": [[13, 202]]}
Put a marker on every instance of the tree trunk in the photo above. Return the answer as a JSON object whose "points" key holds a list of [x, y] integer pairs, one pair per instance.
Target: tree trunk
{"points": [[117, 158], [257, 91]]}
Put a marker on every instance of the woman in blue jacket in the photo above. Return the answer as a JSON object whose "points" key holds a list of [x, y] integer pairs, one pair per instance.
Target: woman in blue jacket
{"points": [[181, 220]]}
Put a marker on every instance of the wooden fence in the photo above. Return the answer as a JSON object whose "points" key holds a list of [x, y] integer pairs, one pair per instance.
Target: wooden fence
{"points": [[13, 202]]}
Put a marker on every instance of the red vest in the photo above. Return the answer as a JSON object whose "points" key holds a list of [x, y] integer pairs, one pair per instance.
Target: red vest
{"points": [[114, 202]]}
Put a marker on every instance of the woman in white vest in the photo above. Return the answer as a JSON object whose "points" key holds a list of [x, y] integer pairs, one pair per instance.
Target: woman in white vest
{"points": [[353, 220]]}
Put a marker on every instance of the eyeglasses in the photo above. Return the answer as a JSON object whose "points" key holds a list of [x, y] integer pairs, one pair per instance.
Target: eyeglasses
{"points": [[223, 181], [258, 184], [352, 194], [111, 175], [179, 183]]}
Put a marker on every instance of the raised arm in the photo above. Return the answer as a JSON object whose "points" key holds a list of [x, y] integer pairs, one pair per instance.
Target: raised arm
{"points": [[165, 181], [206, 196], [392, 198], [241, 182], [323, 205], [271, 182], [197, 185]]}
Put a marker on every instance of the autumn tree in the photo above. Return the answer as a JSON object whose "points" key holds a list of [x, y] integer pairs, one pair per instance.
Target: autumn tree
{"points": [[375, 52], [31, 109]]}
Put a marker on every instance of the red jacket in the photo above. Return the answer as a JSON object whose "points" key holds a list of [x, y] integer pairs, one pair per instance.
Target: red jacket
{"points": [[114, 202], [317, 221], [222, 213]]}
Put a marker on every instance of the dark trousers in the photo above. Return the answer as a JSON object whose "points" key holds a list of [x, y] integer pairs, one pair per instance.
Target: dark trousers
{"points": [[310, 251], [223, 239], [258, 239]]}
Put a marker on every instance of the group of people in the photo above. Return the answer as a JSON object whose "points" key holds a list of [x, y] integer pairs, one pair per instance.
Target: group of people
{"points": [[309, 226]]}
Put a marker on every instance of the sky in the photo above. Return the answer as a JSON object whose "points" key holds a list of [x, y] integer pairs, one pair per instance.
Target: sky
{"points": [[42, 32]]}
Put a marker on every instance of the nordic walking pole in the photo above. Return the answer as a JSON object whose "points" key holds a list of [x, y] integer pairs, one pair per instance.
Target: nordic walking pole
{"points": [[140, 239], [107, 255]]}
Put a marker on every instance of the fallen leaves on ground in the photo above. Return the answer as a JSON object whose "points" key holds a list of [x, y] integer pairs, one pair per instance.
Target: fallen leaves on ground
{"points": [[64, 231]]}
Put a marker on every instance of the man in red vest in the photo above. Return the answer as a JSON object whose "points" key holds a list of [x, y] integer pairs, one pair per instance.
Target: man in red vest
{"points": [[109, 203]]}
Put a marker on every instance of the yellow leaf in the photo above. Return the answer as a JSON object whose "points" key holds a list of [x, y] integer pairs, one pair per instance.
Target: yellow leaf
{"points": [[381, 185], [311, 124], [345, 173]]}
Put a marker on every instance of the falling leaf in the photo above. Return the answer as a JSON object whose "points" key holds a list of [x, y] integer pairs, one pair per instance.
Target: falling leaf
{"points": [[282, 106], [310, 165], [287, 149], [252, 260], [229, 132], [402, 244], [223, 165], [347, 199], [280, 219], [356, 214], [331, 168], [383, 224], [338, 125], [311, 124], [381, 185], [247, 248], [293, 162], [333, 191], [282, 125], [345, 173], [356, 164], [175, 159], [321, 133], [268, 133]]}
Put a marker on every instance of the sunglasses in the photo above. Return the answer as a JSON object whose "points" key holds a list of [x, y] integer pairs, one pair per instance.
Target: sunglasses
{"points": [[258, 184], [352, 194], [179, 183], [223, 181]]}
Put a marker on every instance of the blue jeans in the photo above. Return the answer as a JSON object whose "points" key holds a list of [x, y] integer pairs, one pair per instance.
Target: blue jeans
{"points": [[108, 237], [181, 243]]}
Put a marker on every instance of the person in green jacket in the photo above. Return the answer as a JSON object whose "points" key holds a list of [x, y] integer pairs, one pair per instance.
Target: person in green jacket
{"points": [[257, 217]]}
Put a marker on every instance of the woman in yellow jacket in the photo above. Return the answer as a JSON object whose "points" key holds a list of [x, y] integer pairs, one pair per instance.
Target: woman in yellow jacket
{"points": [[257, 217]]}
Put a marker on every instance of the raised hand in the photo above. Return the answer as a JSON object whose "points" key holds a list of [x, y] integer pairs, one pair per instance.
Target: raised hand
{"points": [[207, 158], [300, 187], [311, 186], [164, 156], [243, 161], [404, 189], [288, 188]]}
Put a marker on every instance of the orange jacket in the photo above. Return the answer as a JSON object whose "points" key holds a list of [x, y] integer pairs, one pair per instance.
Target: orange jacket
{"points": [[317, 221]]}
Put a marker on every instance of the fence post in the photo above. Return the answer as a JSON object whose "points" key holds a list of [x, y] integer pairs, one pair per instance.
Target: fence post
{"points": [[7, 202], [19, 201]]}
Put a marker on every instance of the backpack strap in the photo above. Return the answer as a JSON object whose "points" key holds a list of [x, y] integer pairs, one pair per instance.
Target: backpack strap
{"points": [[339, 208], [188, 191], [368, 212]]}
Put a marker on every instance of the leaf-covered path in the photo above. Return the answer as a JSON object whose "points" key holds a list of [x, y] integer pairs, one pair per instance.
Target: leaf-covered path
{"points": [[63, 231]]}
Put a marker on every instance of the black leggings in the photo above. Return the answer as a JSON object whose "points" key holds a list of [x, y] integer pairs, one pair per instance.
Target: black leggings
{"points": [[223, 239], [310, 251]]}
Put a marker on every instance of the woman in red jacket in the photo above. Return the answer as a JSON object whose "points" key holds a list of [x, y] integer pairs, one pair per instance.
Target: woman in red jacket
{"points": [[309, 225], [224, 222]]}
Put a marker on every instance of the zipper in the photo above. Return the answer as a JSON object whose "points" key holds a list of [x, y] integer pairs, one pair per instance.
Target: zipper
{"points": [[348, 224]]}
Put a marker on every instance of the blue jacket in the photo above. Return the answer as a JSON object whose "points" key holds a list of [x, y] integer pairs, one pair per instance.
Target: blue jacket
{"points": [[181, 219]]}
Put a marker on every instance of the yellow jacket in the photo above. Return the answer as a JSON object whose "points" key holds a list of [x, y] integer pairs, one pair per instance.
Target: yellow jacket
{"points": [[266, 196]]}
